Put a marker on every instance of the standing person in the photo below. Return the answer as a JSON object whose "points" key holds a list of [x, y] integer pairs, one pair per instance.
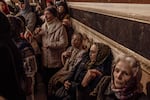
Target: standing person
{"points": [[27, 54], [14, 9], [124, 84], [11, 70], [63, 12], [28, 14], [67, 23], [54, 41]]}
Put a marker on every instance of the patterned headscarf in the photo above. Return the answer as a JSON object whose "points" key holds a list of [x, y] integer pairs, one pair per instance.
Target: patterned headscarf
{"points": [[27, 7], [103, 52], [133, 86]]}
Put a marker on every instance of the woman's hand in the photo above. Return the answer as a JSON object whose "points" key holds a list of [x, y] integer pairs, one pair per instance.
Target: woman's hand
{"points": [[67, 85], [67, 54], [90, 75]]}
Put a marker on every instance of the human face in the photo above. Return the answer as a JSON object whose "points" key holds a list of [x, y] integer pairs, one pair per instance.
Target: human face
{"points": [[60, 9], [121, 74], [2, 6], [93, 53], [48, 4], [48, 16], [21, 5], [76, 41]]}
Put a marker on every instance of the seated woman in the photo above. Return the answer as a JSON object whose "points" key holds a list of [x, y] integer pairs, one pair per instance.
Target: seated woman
{"points": [[70, 58], [124, 84], [98, 61]]}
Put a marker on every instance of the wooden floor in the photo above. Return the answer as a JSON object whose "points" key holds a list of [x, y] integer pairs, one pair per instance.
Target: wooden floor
{"points": [[40, 91]]}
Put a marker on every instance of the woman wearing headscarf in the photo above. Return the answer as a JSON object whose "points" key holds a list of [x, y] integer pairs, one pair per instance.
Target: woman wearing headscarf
{"points": [[124, 84], [28, 14], [97, 61], [62, 9]]}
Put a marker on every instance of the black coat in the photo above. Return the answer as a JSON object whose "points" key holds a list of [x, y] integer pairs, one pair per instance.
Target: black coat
{"points": [[11, 71]]}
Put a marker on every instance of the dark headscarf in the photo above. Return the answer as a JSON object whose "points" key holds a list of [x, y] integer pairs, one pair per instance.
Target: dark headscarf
{"points": [[64, 4], [103, 53], [27, 7]]}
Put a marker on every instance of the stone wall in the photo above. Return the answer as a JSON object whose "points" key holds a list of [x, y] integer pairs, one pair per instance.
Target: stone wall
{"points": [[125, 28]]}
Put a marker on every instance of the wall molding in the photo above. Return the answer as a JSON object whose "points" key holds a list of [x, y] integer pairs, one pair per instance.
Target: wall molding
{"points": [[134, 12], [116, 47]]}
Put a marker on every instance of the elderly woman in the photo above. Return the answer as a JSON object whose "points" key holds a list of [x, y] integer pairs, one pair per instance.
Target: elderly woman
{"points": [[86, 74], [54, 41], [71, 57], [124, 84]]}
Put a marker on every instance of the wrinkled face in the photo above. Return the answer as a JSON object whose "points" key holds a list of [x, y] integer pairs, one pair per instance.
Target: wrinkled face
{"points": [[2, 6], [60, 9], [21, 5], [121, 74], [48, 16], [76, 41], [93, 53]]}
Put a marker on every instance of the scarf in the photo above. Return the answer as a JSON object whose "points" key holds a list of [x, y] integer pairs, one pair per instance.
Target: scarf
{"points": [[27, 9], [103, 53], [132, 87]]}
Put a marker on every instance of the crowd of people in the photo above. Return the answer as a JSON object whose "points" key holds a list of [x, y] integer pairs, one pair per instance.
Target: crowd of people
{"points": [[41, 41]]}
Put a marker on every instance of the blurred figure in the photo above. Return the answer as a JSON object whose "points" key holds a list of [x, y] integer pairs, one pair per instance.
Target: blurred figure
{"points": [[4, 7], [27, 54], [11, 70], [67, 23], [62, 9], [124, 84], [49, 3], [28, 14], [14, 9], [39, 13]]}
